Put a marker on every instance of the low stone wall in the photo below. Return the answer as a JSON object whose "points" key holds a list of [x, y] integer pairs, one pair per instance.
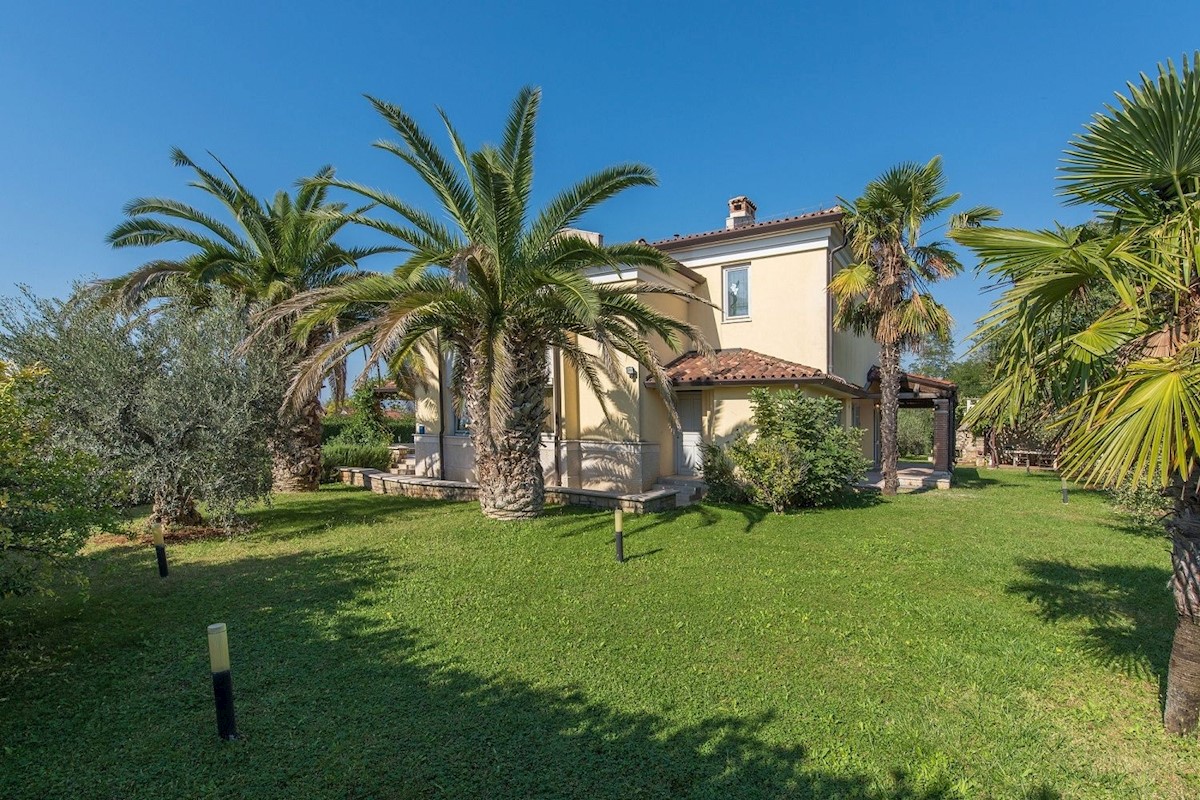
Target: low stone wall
{"points": [[636, 503], [408, 485], [434, 489]]}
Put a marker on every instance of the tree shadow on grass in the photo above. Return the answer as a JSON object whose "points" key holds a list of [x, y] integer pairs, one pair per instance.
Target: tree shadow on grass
{"points": [[297, 515], [1138, 529], [1127, 611], [339, 698], [969, 478]]}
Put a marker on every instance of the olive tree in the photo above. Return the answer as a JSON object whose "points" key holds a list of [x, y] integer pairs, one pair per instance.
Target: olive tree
{"points": [[163, 398]]}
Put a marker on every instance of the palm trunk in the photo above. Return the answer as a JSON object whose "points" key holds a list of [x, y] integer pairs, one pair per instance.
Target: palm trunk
{"points": [[508, 463], [296, 449], [1181, 712], [889, 407]]}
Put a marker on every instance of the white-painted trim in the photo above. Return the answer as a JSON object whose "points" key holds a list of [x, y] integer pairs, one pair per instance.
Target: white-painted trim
{"points": [[673, 279], [776, 244]]}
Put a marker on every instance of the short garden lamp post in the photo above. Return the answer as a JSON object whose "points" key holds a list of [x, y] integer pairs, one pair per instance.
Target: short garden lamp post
{"points": [[222, 680], [160, 550], [619, 534]]}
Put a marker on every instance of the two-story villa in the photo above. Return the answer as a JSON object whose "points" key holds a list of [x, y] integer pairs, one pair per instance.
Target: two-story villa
{"points": [[766, 313]]}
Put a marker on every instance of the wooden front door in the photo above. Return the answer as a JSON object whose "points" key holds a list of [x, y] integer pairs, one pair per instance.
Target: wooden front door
{"points": [[688, 455]]}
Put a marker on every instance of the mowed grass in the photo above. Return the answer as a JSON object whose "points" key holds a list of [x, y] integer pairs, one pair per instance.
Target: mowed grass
{"points": [[982, 642]]}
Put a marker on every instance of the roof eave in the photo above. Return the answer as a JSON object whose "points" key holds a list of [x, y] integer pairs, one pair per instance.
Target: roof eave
{"points": [[816, 380], [762, 229]]}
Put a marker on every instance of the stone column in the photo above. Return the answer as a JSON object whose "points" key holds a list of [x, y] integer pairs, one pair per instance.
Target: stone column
{"points": [[943, 436]]}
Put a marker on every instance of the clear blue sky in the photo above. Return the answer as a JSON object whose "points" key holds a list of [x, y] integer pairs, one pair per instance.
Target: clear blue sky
{"points": [[790, 103]]}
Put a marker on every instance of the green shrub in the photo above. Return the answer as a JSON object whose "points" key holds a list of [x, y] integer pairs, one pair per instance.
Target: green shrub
{"points": [[331, 427], [401, 430], [1145, 506], [723, 485], [52, 498], [360, 420], [372, 456], [773, 471], [799, 457]]}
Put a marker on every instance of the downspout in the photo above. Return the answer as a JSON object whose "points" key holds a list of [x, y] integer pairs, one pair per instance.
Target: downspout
{"points": [[557, 378], [829, 302], [829, 312], [441, 410]]}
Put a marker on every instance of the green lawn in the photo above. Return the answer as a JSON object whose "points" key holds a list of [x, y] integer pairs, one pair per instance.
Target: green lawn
{"points": [[982, 642]]}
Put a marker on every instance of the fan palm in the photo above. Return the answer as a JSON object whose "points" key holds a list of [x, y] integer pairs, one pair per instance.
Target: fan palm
{"points": [[884, 293], [495, 289], [268, 252], [1124, 383]]}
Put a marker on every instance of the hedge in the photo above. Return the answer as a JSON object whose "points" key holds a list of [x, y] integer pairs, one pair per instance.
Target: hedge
{"points": [[398, 430], [352, 455]]}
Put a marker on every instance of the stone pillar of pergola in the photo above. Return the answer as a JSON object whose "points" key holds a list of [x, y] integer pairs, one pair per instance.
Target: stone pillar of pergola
{"points": [[943, 435]]}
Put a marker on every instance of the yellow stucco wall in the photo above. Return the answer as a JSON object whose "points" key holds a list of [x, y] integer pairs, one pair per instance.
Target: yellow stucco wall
{"points": [[853, 356], [425, 394], [789, 308]]}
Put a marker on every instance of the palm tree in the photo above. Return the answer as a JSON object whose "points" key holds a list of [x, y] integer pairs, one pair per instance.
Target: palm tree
{"points": [[1125, 382], [268, 253], [884, 293], [495, 290]]}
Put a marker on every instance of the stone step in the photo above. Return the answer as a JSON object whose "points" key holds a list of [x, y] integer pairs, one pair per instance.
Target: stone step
{"points": [[911, 480], [691, 487]]}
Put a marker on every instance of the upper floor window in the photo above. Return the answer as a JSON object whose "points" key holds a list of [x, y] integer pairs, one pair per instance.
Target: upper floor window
{"points": [[737, 292]]}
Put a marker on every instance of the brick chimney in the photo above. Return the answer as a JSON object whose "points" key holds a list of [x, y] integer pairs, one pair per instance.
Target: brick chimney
{"points": [[591, 236], [741, 213]]}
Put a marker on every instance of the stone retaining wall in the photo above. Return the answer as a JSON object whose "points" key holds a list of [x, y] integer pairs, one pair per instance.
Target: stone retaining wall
{"points": [[433, 489]]}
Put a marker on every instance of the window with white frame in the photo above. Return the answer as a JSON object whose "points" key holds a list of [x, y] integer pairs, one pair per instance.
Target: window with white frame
{"points": [[737, 292]]}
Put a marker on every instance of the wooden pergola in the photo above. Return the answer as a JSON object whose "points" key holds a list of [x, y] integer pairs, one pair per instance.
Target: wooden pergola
{"points": [[922, 391]]}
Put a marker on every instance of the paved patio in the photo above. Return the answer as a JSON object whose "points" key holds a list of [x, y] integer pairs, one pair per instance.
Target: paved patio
{"points": [[914, 477]]}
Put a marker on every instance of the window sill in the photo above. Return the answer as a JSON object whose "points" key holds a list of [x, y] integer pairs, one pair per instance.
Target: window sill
{"points": [[726, 320]]}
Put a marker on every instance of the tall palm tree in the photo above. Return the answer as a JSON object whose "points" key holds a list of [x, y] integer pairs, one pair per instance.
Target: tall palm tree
{"points": [[1125, 382], [267, 253], [496, 286], [884, 293]]}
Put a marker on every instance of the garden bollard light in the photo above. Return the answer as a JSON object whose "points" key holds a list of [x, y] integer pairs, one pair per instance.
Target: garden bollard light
{"points": [[160, 551], [619, 525], [1064, 490], [218, 658]]}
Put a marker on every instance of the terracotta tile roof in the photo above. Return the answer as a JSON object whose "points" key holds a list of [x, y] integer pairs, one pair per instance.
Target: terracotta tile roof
{"points": [[787, 223], [916, 378], [735, 365], [914, 382]]}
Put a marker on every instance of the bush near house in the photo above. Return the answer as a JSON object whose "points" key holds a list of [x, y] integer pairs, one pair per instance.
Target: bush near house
{"points": [[395, 430], [800, 455], [1144, 505], [360, 420]]}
